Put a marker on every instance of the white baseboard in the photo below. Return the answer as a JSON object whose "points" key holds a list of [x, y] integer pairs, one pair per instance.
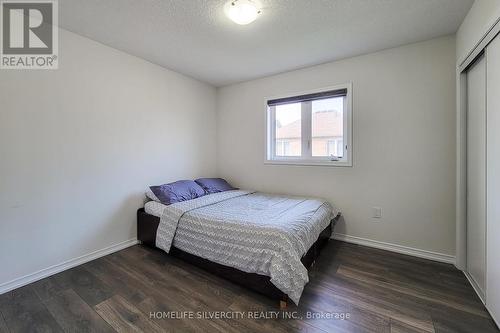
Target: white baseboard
{"points": [[441, 257], [27, 279]]}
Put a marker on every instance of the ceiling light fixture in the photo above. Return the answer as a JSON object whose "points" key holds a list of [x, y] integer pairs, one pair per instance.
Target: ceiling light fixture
{"points": [[242, 11]]}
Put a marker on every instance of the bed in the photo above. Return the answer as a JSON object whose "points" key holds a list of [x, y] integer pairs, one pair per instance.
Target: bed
{"points": [[264, 242]]}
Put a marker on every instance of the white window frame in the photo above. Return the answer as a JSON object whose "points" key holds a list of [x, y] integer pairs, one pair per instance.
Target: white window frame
{"points": [[307, 158]]}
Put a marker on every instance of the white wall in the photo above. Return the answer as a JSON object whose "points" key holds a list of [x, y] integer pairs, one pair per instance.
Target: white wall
{"points": [[404, 143], [481, 17], [79, 145]]}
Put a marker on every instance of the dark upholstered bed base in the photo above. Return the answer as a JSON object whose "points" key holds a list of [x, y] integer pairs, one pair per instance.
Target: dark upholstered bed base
{"points": [[146, 233]]}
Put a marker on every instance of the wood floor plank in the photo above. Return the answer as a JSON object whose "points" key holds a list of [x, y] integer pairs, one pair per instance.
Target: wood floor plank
{"points": [[51, 286], [150, 306], [399, 327], [431, 296], [390, 261], [185, 293], [413, 306], [246, 302], [412, 277], [124, 317], [379, 290], [359, 320], [131, 287], [3, 325], [187, 270], [73, 314], [90, 288], [127, 283], [23, 311], [375, 303], [19, 295], [76, 279], [188, 290], [451, 320], [29, 320], [404, 273], [139, 290], [210, 288], [413, 283]]}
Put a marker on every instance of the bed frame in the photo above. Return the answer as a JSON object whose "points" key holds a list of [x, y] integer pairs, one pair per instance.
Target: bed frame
{"points": [[146, 233]]}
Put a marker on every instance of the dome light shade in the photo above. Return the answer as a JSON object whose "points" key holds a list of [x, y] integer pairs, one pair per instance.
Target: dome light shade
{"points": [[242, 11]]}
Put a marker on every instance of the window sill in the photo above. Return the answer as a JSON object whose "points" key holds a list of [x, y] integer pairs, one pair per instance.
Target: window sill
{"points": [[310, 163]]}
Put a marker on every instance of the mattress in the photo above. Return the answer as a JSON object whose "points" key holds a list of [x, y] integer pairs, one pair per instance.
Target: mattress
{"points": [[253, 232], [156, 208]]}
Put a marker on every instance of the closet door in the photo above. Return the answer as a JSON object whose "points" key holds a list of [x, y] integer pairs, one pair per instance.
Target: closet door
{"points": [[476, 174], [493, 184]]}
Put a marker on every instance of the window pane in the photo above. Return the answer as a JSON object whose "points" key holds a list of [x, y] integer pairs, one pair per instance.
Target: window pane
{"points": [[288, 130], [328, 127]]}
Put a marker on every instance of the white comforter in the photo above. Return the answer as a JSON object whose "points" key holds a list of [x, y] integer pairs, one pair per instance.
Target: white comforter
{"points": [[253, 232]]}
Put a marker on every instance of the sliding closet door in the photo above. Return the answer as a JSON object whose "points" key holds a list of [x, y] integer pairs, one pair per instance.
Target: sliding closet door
{"points": [[493, 184], [476, 174]]}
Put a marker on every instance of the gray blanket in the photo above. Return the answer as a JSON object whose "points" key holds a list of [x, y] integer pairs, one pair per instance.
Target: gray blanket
{"points": [[253, 232]]}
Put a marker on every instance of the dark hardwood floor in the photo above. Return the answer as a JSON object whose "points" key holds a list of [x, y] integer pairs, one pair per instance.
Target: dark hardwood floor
{"points": [[375, 291]]}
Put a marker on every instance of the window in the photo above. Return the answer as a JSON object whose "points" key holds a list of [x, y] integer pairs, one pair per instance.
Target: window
{"points": [[313, 128], [283, 148], [335, 147], [288, 129]]}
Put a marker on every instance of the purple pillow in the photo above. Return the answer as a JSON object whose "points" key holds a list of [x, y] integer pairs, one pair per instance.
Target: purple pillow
{"points": [[178, 191], [214, 185]]}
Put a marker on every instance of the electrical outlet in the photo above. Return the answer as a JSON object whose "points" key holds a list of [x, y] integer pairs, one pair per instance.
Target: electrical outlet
{"points": [[376, 212]]}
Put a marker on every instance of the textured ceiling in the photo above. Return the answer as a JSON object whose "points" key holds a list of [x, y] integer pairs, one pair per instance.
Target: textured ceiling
{"points": [[195, 38]]}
